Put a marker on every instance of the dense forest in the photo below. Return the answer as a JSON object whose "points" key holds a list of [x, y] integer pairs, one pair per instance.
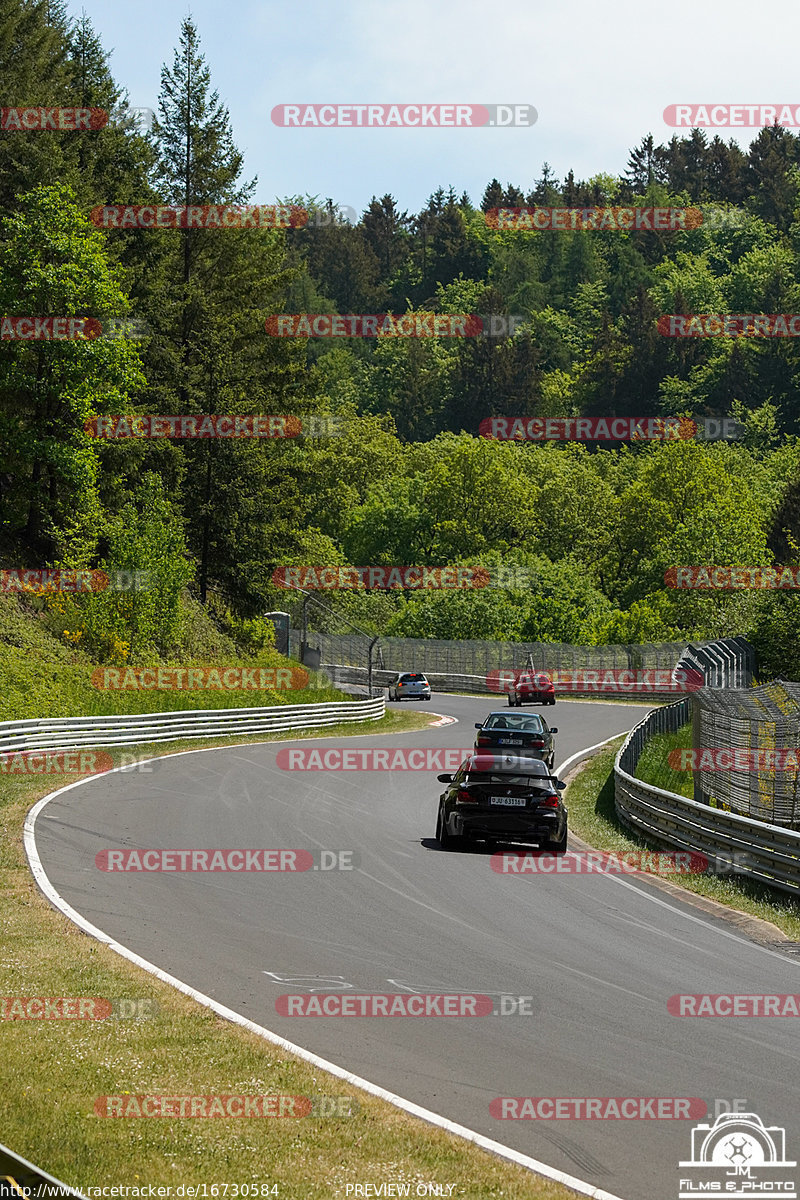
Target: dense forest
{"points": [[576, 538]]}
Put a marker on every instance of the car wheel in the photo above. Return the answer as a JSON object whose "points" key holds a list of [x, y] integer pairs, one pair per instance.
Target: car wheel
{"points": [[559, 846], [445, 839]]}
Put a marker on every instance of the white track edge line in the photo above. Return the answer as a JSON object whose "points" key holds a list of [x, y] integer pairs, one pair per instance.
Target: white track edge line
{"points": [[416, 1110]]}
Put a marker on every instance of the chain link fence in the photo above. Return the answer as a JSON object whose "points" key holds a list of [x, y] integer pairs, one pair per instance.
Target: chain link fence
{"points": [[436, 657], [734, 844], [466, 666], [763, 718]]}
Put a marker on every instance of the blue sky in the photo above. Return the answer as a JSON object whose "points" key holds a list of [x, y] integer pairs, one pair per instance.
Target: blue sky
{"points": [[599, 75]]}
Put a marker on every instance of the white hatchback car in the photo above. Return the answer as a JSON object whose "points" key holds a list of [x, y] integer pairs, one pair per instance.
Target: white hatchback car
{"points": [[409, 685]]}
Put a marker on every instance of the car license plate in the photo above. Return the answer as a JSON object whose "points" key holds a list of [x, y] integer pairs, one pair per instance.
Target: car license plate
{"points": [[509, 801], [510, 741]]}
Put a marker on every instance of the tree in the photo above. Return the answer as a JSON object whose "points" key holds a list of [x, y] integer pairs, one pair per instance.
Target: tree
{"points": [[33, 67], [52, 264], [386, 234], [213, 356]]}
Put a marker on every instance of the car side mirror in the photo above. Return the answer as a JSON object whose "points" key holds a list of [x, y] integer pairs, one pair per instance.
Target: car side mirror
{"points": [[554, 729], [478, 725], [445, 778], [559, 785]]}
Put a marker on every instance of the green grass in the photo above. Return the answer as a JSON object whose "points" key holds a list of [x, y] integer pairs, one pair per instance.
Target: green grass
{"points": [[590, 800], [653, 766], [44, 677]]}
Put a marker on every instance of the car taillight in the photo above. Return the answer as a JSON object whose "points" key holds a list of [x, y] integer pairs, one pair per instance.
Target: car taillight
{"points": [[550, 801], [484, 741], [465, 797], [538, 742]]}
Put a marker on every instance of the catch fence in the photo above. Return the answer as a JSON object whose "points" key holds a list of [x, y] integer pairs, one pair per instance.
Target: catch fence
{"points": [[763, 718]]}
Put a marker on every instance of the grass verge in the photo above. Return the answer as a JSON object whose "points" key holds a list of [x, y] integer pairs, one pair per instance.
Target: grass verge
{"points": [[590, 799], [653, 765], [52, 1071]]}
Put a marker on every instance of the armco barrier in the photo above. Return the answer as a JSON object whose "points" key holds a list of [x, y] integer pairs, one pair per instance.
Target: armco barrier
{"points": [[70, 733], [767, 853]]}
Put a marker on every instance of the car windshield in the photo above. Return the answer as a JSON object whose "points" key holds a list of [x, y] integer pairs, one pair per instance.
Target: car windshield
{"points": [[522, 723]]}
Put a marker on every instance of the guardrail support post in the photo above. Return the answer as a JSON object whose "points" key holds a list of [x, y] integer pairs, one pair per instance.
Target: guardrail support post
{"points": [[372, 645]]}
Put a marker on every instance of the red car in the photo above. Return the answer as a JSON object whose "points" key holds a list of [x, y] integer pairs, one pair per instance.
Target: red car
{"points": [[531, 687]]}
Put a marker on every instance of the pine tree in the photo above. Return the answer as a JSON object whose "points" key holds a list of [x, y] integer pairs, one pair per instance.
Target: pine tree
{"points": [[211, 352], [492, 196], [34, 71], [642, 170], [385, 230]]}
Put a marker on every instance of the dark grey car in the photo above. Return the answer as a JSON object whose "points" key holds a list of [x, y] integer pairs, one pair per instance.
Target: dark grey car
{"points": [[502, 798]]}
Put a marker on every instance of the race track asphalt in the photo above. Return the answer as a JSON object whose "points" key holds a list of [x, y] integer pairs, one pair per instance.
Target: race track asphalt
{"points": [[598, 955]]}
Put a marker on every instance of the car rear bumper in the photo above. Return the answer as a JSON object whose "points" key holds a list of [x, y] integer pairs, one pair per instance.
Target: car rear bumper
{"points": [[499, 822]]}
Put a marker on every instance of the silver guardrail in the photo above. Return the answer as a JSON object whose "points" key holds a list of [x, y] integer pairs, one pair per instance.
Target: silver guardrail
{"points": [[740, 845], [70, 733]]}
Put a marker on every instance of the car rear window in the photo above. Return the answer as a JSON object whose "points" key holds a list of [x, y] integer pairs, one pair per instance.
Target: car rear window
{"points": [[522, 724], [412, 679], [511, 764]]}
